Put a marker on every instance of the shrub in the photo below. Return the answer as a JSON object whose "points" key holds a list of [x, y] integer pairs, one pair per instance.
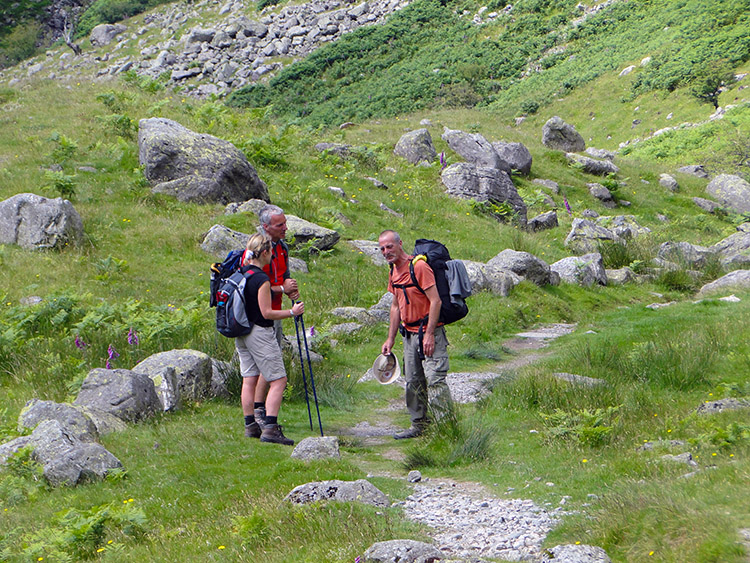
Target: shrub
{"points": [[19, 44], [111, 11], [62, 184], [587, 428]]}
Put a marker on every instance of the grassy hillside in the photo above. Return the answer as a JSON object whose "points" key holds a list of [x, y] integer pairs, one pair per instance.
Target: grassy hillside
{"points": [[194, 489]]}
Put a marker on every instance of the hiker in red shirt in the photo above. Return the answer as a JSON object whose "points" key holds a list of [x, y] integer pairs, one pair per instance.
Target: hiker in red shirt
{"points": [[273, 223], [425, 343]]}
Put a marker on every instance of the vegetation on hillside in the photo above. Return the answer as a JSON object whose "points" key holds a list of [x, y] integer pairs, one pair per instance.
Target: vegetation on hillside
{"points": [[20, 30], [430, 55]]}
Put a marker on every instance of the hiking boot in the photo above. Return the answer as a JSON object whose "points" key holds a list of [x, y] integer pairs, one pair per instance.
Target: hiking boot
{"points": [[260, 416], [252, 430], [412, 432], [272, 433]]}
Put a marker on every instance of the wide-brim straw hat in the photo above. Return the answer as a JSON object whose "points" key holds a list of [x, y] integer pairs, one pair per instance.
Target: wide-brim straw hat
{"points": [[386, 368]]}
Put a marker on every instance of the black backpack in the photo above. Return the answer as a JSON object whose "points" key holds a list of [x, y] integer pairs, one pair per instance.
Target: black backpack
{"points": [[449, 275], [231, 316], [220, 271]]}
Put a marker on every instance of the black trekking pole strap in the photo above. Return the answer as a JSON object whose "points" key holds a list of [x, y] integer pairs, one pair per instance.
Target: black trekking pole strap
{"points": [[309, 367], [302, 367]]}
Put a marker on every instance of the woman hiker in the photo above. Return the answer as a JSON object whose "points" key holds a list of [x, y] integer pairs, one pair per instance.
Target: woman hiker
{"points": [[259, 351]]}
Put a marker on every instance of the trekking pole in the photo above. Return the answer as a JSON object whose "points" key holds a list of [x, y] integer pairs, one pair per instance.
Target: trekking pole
{"points": [[312, 381], [302, 365]]}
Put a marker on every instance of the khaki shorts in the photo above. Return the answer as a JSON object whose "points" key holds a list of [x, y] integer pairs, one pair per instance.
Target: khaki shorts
{"points": [[260, 353]]}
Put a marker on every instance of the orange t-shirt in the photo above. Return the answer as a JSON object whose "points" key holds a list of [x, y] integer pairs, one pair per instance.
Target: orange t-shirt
{"points": [[419, 305]]}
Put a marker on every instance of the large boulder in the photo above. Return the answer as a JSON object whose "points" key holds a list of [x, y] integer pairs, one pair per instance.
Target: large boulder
{"points": [[190, 370], [475, 149], [416, 146], [732, 191], [467, 181], [195, 167], [516, 155], [734, 251], [67, 460], [360, 490], [585, 236], [592, 165], [696, 170], [499, 280], [371, 249], [523, 264], [221, 240], [543, 221], [583, 270], [683, 253], [401, 551], [558, 135], [104, 33], [739, 280], [127, 395], [72, 419], [317, 447], [301, 232], [602, 194], [35, 222]]}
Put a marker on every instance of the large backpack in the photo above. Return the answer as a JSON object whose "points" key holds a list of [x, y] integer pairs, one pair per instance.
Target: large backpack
{"points": [[451, 280], [231, 316], [220, 271]]}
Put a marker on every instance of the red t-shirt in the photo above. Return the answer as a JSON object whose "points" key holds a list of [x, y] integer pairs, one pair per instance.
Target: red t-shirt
{"points": [[419, 305]]}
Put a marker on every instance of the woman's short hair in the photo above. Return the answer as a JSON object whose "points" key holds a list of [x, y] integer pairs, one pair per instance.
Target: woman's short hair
{"points": [[256, 245]]}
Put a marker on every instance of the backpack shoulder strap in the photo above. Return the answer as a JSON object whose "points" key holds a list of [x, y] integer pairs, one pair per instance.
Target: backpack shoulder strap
{"points": [[413, 275]]}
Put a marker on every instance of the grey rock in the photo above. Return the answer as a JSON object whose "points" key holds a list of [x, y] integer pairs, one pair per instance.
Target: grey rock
{"points": [[583, 270], [317, 448], [475, 149], [35, 222], [585, 236], [685, 458], [72, 419], [359, 314], [738, 279], [686, 254], [104, 33], [298, 265], [571, 553], [105, 422], [195, 167], [543, 221], [734, 251], [499, 280], [516, 155], [466, 181], [589, 214], [592, 165], [600, 153], [301, 232], [523, 264], [416, 146], [732, 191], [14, 446], [475, 270], [345, 329], [579, 380], [220, 240], [620, 276], [623, 226], [602, 194], [696, 170], [338, 149], [371, 250], [402, 551], [706, 204], [178, 75], [729, 404], [376, 182], [221, 375], [191, 370], [380, 312], [551, 185], [125, 394], [250, 206], [627, 70], [67, 460], [669, 182], [414, 476], [221, 40], [200, 35], [558, 135], [341, 491]]}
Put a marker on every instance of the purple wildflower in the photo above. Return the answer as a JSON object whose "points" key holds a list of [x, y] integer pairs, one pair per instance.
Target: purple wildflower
{"points": [[133, 337], [112, 355], [567, 205], [80, 344], [442, 160]]}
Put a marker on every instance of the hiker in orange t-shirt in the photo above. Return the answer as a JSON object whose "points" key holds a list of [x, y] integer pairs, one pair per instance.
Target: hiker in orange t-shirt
{"points": [[416, 315]]}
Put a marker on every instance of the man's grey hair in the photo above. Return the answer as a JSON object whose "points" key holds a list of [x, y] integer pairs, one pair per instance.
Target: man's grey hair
{"points": [[396, 236], [267, 212]]}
